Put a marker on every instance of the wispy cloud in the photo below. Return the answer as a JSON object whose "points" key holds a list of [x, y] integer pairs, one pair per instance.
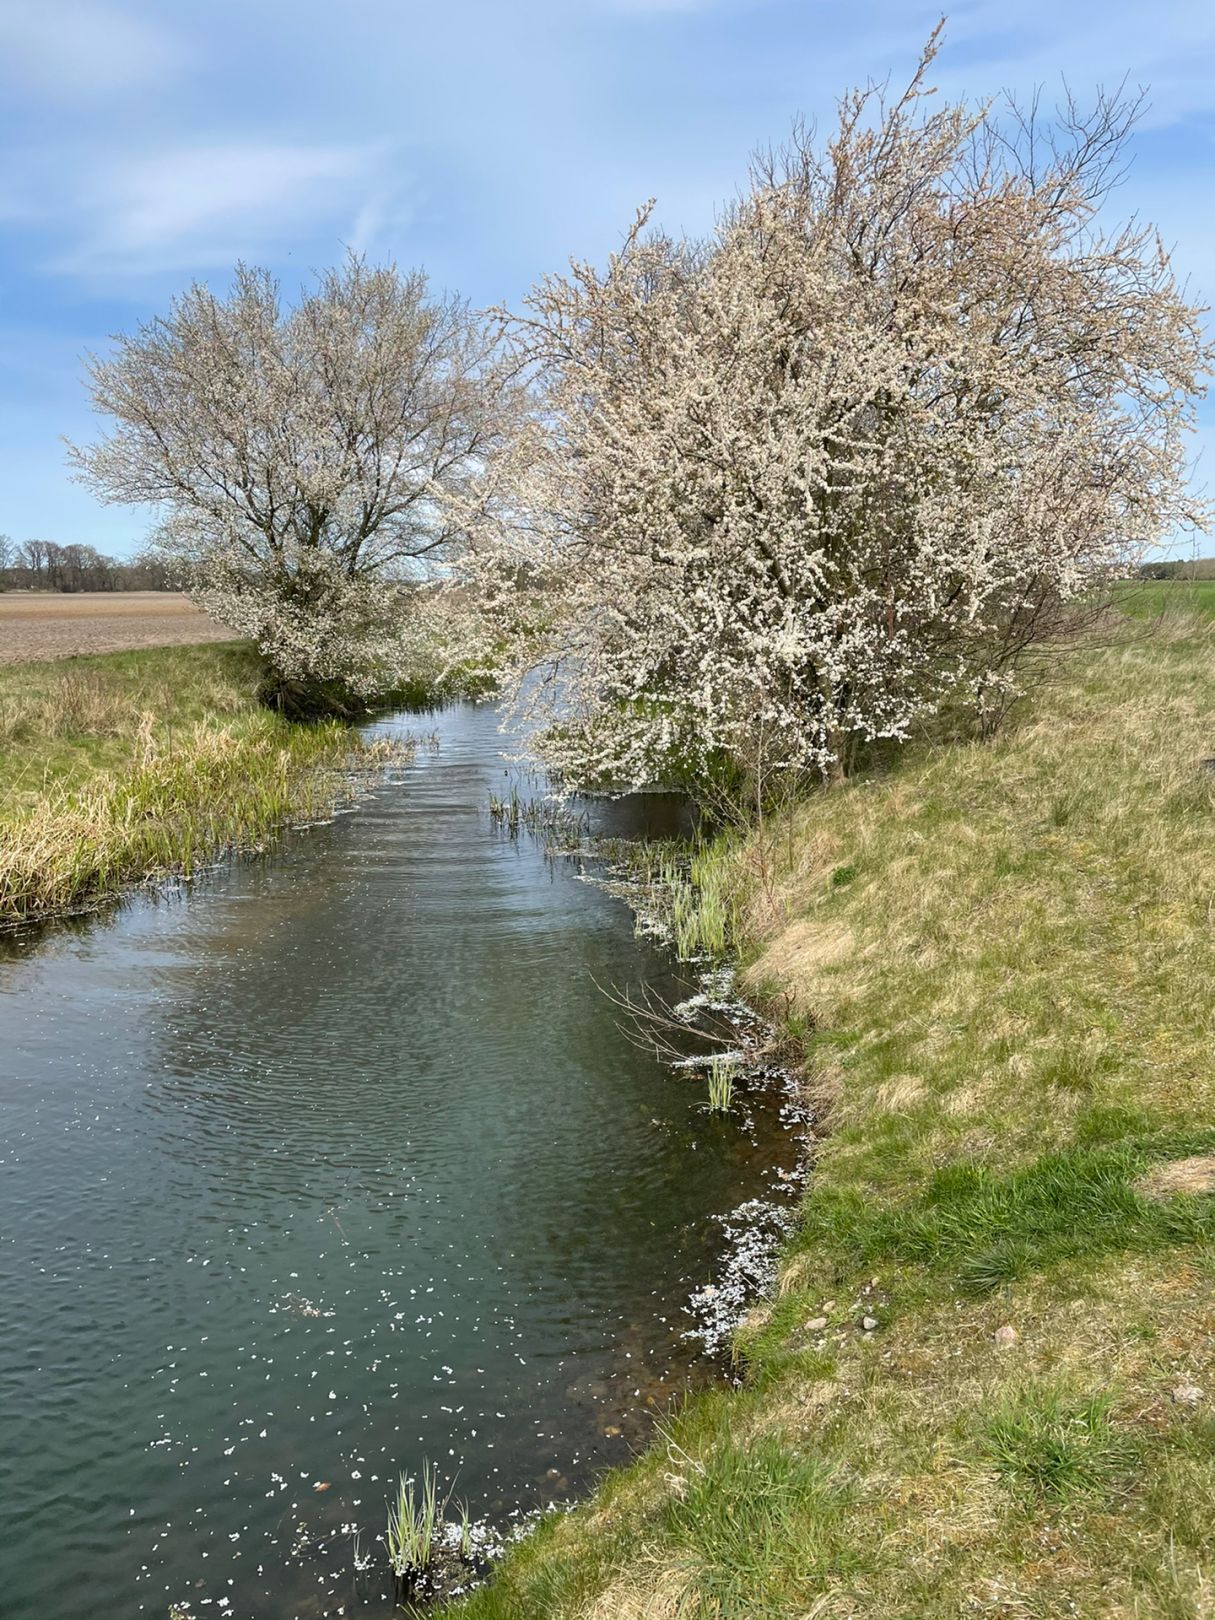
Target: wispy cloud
{"points": [[145, 142], [198, 207], [1166, 47], [73, 49]]}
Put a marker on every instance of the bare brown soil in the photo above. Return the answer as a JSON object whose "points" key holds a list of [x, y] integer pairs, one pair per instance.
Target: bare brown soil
{"points": [[34, 626]]}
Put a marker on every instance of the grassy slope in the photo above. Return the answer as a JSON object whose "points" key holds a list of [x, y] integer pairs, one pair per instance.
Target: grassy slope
{"points": [[119, 766], [1001, 960]]}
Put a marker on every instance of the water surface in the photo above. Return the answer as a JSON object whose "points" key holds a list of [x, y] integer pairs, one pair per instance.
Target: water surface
{"points": [[335, 1163]]}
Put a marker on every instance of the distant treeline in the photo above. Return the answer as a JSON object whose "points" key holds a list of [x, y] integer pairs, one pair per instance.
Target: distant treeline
{"points": [[1193, 568], [41, 565]]}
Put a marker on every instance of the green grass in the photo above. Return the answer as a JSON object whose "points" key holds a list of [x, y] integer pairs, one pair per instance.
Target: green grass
{"points": [[1151, 598], [737, 1522], [66, 719], [1055, 1447], [981, 1230], [998, 961], [120, 767]]}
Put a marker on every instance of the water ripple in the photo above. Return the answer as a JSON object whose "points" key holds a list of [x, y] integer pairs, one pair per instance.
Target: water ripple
{"points": [[332, 1164]]}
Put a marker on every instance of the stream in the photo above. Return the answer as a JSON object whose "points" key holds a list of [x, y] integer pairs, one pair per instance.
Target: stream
{"points": [[331, 1164]]}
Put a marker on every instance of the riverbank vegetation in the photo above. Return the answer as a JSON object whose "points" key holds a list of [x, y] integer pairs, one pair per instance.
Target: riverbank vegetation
{"points": [[125, 766], [985, 1382]]}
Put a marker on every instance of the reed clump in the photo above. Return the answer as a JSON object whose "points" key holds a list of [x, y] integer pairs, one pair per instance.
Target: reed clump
{"points": [[698, 896], [721, 1084], [428, 1551], [414, 1518], [548, 818]]}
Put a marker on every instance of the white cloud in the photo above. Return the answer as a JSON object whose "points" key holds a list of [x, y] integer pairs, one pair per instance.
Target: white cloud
{"points": [[201, 206], [74, 49]]}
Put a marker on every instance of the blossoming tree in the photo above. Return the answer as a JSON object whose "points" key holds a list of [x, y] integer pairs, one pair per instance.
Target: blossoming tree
{"points": [[798, 487], [305, 462]]}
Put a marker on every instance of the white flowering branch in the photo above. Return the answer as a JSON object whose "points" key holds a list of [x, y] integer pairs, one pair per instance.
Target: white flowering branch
{"points": [[308, 462], [837, 467]]}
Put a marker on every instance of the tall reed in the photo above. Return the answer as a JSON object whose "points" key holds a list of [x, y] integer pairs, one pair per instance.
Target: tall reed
{"points": [[700, 893], [413, 1521]]}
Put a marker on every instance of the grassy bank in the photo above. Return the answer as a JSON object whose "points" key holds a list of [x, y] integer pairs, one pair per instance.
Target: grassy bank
{"points": [[123, 766], [987, 1383]]}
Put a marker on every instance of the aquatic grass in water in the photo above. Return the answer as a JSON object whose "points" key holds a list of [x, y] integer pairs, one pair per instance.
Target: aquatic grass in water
{"points": [[721, 1085], [696, 896], [547, 816], [427, 1552], [506, 813], [413, 1520]]}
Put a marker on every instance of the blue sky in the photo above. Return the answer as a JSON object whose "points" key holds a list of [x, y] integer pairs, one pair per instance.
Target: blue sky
{"points": [[145, 145]]}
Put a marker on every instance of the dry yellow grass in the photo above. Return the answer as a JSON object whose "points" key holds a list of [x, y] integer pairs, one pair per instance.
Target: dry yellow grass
{"points": [[133, 765], [1192, 1177]]}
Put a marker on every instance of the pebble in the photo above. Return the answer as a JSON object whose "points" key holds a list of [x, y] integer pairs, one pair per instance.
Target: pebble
{"points": [[1187, 1394], [869, 1323], [1005, 1335], [816, 1324]]}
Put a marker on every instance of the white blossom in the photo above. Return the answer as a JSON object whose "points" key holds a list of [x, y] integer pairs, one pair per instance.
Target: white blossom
{"points": [[800, 485], [307, 462]]}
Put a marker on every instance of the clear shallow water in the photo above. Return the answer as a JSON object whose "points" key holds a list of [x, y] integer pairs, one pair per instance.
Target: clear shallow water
{"points": [[334, 1164]]}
